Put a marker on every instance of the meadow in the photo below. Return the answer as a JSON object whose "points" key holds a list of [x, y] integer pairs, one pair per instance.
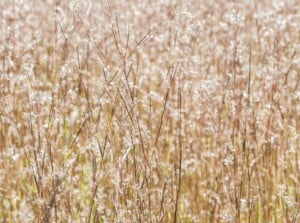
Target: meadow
{"points": [[150, 111]]}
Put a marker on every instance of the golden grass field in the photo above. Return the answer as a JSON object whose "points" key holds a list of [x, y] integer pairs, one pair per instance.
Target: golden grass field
{"points": [[150, 111]]}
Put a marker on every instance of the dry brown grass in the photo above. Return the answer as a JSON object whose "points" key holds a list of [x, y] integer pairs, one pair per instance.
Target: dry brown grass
{"points": [[149, 111]]}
